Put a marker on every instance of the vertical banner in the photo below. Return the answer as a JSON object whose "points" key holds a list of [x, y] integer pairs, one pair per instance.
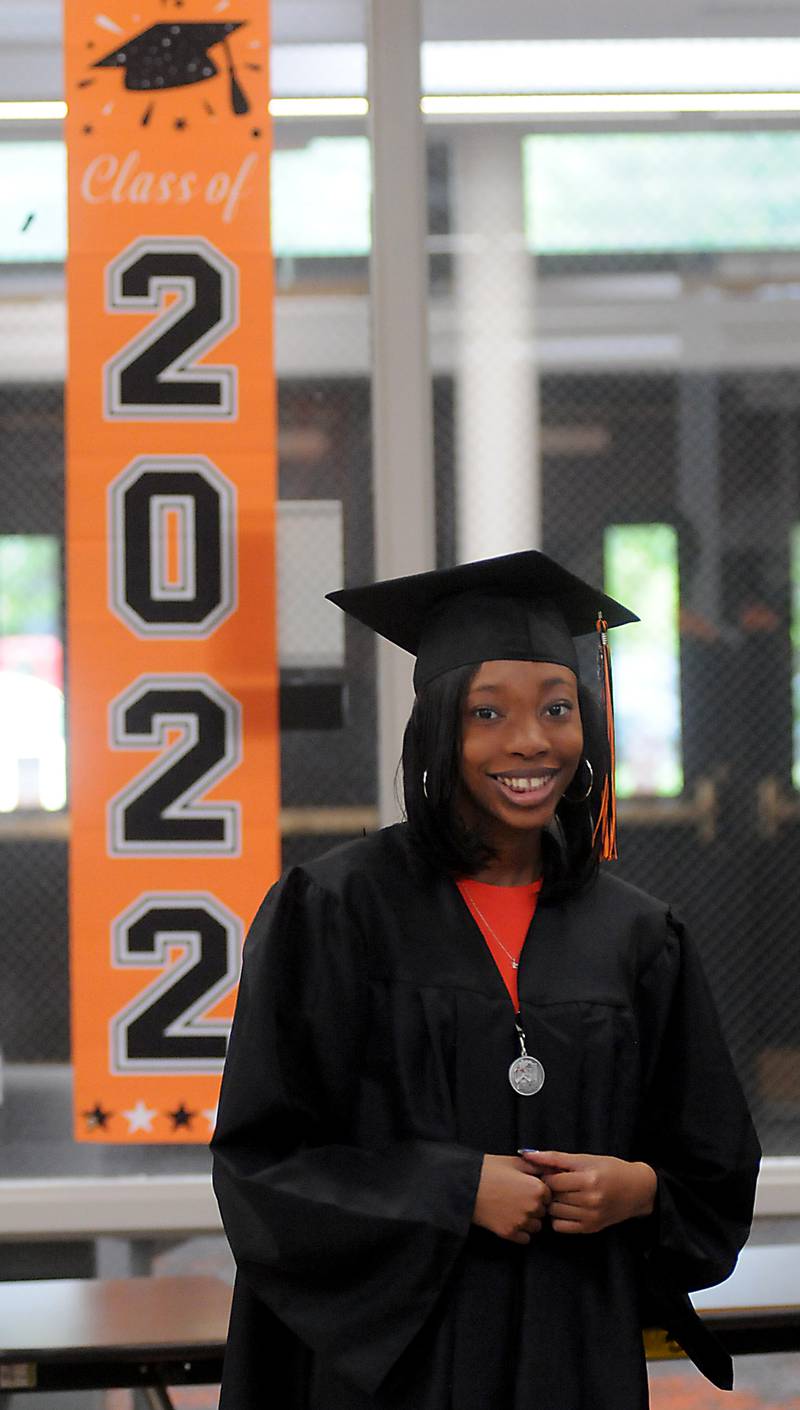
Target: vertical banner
{"points": [[170, 548]]}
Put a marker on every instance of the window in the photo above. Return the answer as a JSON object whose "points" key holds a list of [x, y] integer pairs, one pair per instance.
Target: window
{"points": [[641, 567], [33, 211], [320, 200], [648, 191], [32, 756]]}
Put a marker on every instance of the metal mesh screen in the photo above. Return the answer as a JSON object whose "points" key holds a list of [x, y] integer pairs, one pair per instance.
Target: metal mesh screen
{"points": [[324, 439], [704, 441], [32, 458], [666, 449], [647, 389], [34, 1003], [614, 352]]}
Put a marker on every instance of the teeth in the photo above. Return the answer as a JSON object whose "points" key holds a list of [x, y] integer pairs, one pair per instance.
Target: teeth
{"points": [[522, 785]]}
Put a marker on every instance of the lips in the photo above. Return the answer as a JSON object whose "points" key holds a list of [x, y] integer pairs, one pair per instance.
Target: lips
{"points": [[526, 788]]}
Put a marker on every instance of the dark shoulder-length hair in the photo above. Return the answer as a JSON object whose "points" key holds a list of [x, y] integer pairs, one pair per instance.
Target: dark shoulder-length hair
{"points": [[431, 769]]}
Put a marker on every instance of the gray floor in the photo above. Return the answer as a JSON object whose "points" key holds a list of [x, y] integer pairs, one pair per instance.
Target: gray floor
{"points": [[761, 1383]]}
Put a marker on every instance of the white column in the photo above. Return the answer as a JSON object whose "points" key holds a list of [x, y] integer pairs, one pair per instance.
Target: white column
{"points": [[401, 385], [498, 473]]}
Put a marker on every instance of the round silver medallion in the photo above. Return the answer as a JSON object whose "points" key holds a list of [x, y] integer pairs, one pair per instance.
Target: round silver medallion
{"points": [[526, 1076]]}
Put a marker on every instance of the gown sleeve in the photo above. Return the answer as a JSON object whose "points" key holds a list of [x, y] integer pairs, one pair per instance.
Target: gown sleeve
{"points": [[696, 1130], [347, 1245]]}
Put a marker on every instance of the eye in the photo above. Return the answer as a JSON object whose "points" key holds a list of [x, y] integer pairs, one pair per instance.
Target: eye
{"points": [[560, 709], [484, 712]]}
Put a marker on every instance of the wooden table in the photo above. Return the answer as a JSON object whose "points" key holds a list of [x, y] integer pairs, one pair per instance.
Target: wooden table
{"points": [[758, 1307], [151, 1333], [97, 1334]]}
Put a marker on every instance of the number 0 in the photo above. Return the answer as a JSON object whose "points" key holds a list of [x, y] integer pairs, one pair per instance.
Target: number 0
{"points": [[172, 546]]}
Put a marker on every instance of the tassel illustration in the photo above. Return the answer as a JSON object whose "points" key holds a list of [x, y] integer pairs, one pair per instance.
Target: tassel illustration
{"points": [[239, 101]]}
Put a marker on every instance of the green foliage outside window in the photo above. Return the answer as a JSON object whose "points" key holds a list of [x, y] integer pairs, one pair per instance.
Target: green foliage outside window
{"points": [[29, 585]]}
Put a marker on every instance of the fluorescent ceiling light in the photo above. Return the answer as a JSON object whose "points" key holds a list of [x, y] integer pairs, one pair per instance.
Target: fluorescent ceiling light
{"points": [[539, 67], [550, 104], [33, 111], [510, 105], [599, 104], [47, 111], [611, 66], [552, 66], [318, 107]]}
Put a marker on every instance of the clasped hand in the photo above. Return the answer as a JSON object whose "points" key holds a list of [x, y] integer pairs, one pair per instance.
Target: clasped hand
{"points": [[579, 1194]]}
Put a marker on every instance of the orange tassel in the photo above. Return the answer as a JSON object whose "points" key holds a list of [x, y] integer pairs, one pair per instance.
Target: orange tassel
{"points": [[606, 825]]}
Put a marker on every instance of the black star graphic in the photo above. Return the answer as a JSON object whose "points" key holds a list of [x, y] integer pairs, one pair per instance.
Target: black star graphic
{"points": [[181, 1117], [180, 123], [96, 1119]]}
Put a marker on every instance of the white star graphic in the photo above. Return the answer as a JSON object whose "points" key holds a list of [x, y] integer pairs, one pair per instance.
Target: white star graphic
{"points": [[140, 1117]]}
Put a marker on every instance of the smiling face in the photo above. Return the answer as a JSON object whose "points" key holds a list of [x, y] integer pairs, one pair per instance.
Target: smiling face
{"points": [[522, 741]]}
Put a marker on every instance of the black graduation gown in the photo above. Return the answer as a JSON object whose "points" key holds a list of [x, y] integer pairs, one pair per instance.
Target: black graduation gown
{"points": [[366, 1078]]}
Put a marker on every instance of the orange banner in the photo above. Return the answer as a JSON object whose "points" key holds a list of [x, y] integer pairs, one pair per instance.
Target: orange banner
{"points": [[171, 548]]}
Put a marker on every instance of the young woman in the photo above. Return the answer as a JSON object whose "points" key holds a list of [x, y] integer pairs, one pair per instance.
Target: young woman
{"points": [[478, 1124]]}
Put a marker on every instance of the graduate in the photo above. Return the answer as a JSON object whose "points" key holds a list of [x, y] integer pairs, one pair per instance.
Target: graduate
{"points": [[478, 1122]]}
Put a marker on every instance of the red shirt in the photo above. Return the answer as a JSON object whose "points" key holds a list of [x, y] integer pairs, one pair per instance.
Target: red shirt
{"points": [[507, 911]]}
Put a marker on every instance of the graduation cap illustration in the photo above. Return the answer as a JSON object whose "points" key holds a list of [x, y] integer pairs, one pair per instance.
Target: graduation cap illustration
{"points": [[174, 55], [518, 607]]}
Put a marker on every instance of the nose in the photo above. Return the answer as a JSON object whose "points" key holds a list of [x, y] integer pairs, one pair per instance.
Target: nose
{"points": [[528, 736]]}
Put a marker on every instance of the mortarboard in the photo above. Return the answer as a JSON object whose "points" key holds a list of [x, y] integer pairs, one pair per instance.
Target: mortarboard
{"points": [[519, 607], [175, 55]]}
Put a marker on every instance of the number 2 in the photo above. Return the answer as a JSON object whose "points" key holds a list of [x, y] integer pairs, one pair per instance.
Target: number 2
{"points": [[157, 376], [165, 1028], [160, 812]]}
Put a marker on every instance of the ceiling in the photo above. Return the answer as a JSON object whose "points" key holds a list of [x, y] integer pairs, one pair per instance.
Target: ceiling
{"points": [[30, 30]]}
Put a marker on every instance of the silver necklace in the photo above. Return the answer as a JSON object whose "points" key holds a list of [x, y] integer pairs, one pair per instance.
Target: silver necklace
{"points": [[476, 908], [526, 1073]]}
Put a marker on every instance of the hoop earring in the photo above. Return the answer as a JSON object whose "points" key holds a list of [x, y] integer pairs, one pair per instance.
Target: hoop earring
{"points": [[425, 783], [583, 797]]}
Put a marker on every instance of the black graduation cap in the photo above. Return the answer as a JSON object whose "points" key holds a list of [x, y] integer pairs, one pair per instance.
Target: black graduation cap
{"points": [[174, 55], [520, 607]]}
